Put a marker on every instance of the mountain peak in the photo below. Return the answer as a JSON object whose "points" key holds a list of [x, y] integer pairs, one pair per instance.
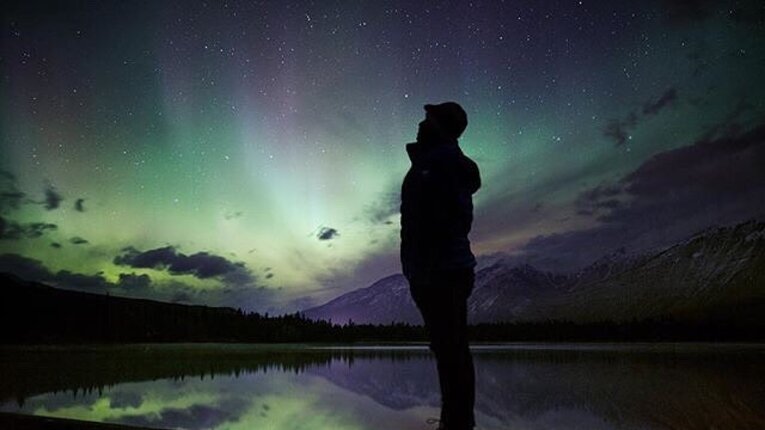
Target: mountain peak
{"points": [[699, 276]]}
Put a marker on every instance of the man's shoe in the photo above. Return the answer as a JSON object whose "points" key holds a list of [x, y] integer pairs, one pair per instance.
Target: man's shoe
{"points": [[441, 426]]}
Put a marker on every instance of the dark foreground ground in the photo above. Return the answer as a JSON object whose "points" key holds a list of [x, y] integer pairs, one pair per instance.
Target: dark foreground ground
{"points": [[31, 422]]}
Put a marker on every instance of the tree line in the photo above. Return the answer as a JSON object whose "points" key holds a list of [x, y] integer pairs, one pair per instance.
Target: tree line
{"points": [[35, 313]]}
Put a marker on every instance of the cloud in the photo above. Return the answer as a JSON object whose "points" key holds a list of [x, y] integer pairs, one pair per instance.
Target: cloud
{"points": [[11, 200], [181, 297], [36, 229], [667, 198], [10, 196], [619, 130], [95, 283], [600, 197], [77, 240], [33, 270], [201, 264], [52, 198], [197, 416], [79, 205], [731, 124], [327, 233], [384, 208], [12, 230], [125, 399], [666, 99], [26, 268], [245, 296], [133, 282]]}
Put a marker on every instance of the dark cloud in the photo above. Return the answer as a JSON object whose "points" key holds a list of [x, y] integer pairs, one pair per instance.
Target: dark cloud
{"points": [[667, 198], [731, 124], [509, 211], [125, 399], [10, 200], [37, 229], [201, 264], [384, 208], [193, 417], [79, 205], [619, 130], [7, 176], [155, 258], [245, 296], [133, 282], [181, 297], [77, 240], [327, 233], [33, 270], [666, 99], [12, 230], [77, 281], [597, 199], [52, 198], [26, 268], [10, 196]]}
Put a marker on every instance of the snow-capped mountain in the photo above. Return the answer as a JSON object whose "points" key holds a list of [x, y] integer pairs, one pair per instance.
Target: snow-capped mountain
{"points": [[717, 274], [387, 300]]}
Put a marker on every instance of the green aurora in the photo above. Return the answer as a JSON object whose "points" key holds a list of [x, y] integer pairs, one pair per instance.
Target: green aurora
{"points": [[245, 131]]}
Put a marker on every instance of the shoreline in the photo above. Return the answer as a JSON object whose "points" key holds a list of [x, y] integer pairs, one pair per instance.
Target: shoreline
{"points": [[9, 420]]}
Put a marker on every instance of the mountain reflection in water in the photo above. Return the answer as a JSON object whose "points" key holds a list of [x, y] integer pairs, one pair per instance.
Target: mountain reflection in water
{"points": [[545, 386]]}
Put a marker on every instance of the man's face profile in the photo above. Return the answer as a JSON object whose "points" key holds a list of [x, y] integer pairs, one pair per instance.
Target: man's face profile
{"points": [[427, 128]]}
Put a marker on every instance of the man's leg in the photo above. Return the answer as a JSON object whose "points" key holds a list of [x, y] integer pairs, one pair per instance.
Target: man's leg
{"points": [[444, 308], [464, 375], [432, 304], [459, 371]]}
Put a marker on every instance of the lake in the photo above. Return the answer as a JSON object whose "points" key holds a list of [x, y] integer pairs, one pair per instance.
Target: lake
{"points": [[519, 386]]}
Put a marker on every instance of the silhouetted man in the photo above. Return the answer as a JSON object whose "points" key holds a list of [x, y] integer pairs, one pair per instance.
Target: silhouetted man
{"points": [[436, 215]]}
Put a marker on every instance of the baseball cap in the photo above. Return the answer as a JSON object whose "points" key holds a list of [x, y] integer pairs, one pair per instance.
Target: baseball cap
{"points": [[450, 116]]}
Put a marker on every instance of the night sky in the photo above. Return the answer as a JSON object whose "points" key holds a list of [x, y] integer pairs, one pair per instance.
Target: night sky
{"points": [[251, 154]]}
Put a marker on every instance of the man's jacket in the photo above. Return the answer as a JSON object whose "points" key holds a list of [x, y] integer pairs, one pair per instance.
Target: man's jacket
{"points": [[437, 209]]}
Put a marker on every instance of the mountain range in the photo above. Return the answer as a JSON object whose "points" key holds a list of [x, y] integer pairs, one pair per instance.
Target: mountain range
{"points": [[716, 275]]}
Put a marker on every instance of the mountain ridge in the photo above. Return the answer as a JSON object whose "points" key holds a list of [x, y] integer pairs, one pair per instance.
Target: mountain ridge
{"points": [[714, 273]]}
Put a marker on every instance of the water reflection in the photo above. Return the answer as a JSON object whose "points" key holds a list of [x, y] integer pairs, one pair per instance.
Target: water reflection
{"points": [[299, 387]]}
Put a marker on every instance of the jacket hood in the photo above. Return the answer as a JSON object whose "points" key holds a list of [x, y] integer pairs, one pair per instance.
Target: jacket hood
{"points": [[450, 157]]}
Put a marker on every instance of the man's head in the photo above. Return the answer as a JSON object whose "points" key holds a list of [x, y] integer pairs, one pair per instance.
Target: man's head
{"points": [[445, 119]]}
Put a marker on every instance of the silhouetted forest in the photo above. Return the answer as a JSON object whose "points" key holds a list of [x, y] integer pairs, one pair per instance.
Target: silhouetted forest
{"points": [[35, 313], [30, 370]]}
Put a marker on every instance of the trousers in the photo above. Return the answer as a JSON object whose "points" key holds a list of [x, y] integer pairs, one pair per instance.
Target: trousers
{"points": [[442, 301]]}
